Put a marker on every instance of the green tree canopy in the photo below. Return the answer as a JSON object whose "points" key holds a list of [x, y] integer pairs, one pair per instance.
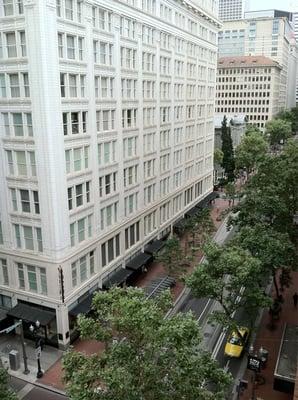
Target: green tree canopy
{"points": [[290, 116], [251, 150], [231, 191], [274, 249], [228, 162], [147, 357], [200, 226], [227, 269], [218, 157], [278, 130], [172, 257], [271, 195], [5, 392]]}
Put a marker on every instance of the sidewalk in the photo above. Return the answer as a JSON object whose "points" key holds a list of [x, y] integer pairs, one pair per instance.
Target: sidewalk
{"points": [[53, 376], [49, 356], [270, 340]]}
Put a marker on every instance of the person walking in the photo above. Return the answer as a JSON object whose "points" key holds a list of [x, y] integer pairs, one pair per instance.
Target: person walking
{"points": [[295, 299]]}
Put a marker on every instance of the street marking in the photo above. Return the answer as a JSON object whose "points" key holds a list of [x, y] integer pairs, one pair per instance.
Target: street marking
{"points": [[226, 367], [218, 344], [204, 309], [25, 390]]}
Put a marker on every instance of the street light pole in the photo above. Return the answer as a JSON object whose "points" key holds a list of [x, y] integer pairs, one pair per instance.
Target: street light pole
{"points": [[38, 341], [26, 370]]}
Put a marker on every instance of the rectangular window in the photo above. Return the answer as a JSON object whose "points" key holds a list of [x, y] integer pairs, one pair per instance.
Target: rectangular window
{"points": [[70, 43], [11, 45], [72, 234], [25, 200], [4, 272], [14, 199], [77, 159], [83, 269], [32, 280], [21, 276], [69, 9], [110, 250], [21, 163], [28, 237], [26, 84], [17, 120], [81, 230], [23, 44], [14, 85], [74, 277], [132, 235], [36, 201], [43, 281], [39, 239]]}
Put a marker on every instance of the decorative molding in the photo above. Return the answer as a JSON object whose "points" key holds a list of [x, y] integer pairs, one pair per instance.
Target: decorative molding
{"points": [[29, 3]]}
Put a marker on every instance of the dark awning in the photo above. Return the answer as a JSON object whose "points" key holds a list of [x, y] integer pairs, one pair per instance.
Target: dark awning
{"points": [[31, 314], [83, 307], [204, 203], [193, 211], [116, 278], [138, 261], [3, 314], [179, 225], [154, 247]]}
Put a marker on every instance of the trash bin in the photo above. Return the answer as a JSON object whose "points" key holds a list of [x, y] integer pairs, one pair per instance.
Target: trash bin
{"points": [[14, 360]]}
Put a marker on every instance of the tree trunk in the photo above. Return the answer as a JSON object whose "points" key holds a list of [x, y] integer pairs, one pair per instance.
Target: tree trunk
{"points": [[275, 285]]}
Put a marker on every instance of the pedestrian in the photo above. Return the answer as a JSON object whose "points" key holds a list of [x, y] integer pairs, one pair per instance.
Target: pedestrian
{"points": [[295, 299]]}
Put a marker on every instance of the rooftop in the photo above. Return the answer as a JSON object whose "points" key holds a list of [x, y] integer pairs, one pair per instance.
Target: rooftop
{"points": [[246, 61]]}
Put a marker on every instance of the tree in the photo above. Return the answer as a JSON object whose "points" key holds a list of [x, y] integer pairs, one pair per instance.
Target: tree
{"points": [[274, 249], [5, 392], [228, 162], [251, 151], [226, 270], [201, 226], [146, 356], [271, 195], [278, 130], [218, 157], [231, 192], [172, 258], [290, 116]]}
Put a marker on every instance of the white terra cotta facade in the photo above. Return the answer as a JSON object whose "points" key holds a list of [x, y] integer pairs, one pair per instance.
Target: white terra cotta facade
{"points": [[106, 137]]}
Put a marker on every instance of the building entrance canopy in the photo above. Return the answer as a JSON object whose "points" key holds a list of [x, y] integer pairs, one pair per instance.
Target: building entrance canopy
{"points": [[31, 314]]}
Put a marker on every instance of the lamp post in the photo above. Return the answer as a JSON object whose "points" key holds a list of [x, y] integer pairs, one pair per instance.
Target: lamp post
{"points": [[38, 345], [26, 369]]}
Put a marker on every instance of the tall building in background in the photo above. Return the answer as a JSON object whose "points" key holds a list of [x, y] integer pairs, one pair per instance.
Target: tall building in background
{"points": [[106, 140], [267, 36], [232, 9], [248, 86]]}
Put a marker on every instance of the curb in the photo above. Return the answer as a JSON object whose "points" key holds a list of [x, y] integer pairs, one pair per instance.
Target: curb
{"points": [[41, 385], [50, 389]]}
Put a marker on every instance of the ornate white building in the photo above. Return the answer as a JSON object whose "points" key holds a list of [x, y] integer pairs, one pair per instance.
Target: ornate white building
{"points": [[106, 139]]}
